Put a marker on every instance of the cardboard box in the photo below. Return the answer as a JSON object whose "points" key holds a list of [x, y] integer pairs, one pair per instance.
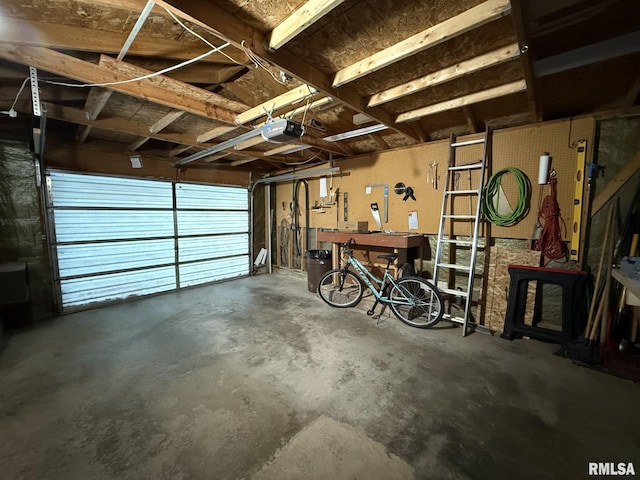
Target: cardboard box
{"points": [[353, 226]]}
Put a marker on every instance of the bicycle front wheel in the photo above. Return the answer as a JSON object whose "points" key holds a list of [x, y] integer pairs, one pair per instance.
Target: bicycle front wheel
{"points": [[340, 289], [416, 302]]}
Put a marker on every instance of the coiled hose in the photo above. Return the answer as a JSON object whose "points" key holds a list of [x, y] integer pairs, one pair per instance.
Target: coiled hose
{"points": [[492, 188]]}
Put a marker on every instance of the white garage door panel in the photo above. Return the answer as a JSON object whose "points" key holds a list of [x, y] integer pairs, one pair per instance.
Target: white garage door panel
{"points": [[90, 225], [74, 190], [213, 270], [203, 223], [111, 256], [198, 248], [117, 238], [117, 286], [208, 197]]}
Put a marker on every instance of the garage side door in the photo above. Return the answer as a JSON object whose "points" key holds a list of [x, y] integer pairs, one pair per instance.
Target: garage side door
{"points": [[213, 233], [114, 237]]}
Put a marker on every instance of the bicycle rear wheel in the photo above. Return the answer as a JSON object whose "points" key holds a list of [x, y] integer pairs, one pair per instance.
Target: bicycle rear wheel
{"points": [[340, 289], [416, 302]]}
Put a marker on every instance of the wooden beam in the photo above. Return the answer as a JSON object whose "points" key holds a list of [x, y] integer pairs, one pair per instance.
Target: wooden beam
{"points": [[65, 37], [82, 133], [201, 73], [251, 142], [160, 90], [309, 13], [616, 183], [379, 140], [242, 162], [165, 121], [182, 90], [473, 18], [471, 119], [138, 143], [588, 55], [215, 133], [526, 59], [215, 156], [490, 59], [174, 152], [120, 125], [500, 91], [305, 108], [216, 20], [284, 147], [281, 101]]}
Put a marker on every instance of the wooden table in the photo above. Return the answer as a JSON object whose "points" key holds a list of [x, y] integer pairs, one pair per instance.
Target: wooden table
{"points": [[398, 243]]}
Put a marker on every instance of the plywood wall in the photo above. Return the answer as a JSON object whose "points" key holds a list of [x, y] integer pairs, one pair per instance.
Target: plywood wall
{"points": [[516, 147]]}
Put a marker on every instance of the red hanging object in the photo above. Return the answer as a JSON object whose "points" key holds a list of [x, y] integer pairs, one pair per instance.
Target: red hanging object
{"points": [[550, 242]]}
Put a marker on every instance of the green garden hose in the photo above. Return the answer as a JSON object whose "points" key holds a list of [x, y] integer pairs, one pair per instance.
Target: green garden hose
{"points": [[492, 188]]}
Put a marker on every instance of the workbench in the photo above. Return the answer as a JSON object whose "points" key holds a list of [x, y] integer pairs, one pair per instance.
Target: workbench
{"points": [[367, 246]]}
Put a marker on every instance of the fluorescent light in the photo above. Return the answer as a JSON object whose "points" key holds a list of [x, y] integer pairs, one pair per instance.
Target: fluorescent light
{"points": [[355, 133]]}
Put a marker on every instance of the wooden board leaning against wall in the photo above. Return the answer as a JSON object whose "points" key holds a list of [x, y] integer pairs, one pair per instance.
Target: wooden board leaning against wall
{"points": [[518, 147]]}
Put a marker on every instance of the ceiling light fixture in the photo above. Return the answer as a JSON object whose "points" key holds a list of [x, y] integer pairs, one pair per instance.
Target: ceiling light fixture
{"points": [[355, 133]]}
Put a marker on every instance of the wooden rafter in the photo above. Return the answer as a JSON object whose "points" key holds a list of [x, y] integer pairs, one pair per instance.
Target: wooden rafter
{"points": [[490, 59], [243, 161], [302, 18], [215, 133], [65, 37], [166, 120], [495, 92], [281, 101], [223, 25], [597, 52], [164, 91], [473, 18]]}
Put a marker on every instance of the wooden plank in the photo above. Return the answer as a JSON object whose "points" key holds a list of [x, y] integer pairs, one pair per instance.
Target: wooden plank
{"points": [[223, 25], [165, 121], [373, 239], [302, 18], [138, 143], [535, 107], [271, 105], [66, 37], [237, 163], [473, 18], [170, 93], [215, 133], [588, 55], [121, 125], [499, 91], [616, 183], [176, 87], [495, 57]]}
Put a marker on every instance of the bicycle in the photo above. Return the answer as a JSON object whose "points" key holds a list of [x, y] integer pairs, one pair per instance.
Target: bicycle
{"points": [[412, 299]]}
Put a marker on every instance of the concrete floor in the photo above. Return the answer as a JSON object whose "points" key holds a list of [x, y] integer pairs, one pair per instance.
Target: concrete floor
{"points": [[257, 378]]}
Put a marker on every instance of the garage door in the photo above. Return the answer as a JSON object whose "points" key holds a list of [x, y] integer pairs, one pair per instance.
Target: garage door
{"points": [[116, 238]]}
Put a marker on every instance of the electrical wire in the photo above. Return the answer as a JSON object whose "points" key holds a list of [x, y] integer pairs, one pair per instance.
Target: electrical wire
{"points": [[144, 77], [492, 189], [8, 112], [259, 63]]}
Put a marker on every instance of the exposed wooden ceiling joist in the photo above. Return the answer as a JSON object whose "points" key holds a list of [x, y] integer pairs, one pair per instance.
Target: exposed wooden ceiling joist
{"points": [[237, 163], [597, 52], [281, 101], [215, 133], [499, 91], [65, 37], [170, 93], [225, 26], [302, 18], [435, 35], [493, 58]]}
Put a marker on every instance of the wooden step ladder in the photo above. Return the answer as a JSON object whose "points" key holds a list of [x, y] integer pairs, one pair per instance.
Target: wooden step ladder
{"points": [[452, 216]]}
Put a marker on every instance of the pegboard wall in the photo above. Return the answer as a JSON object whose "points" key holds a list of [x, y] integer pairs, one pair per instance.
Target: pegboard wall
{"points": [[518, 147]]}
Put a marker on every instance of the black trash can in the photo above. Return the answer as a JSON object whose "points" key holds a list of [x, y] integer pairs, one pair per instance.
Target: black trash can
{"points": [[318, 263]]}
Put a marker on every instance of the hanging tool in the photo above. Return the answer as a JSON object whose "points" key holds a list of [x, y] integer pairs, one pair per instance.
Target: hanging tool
{"points": [[408, 193], [385, 187], [550, 242], [401, 189]]}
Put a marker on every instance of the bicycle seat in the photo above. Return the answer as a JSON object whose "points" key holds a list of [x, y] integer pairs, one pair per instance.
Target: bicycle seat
{"points": [[389, 257]]}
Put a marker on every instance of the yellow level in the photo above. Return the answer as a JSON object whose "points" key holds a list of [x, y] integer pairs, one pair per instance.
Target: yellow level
{"points": [[578, 198]]}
